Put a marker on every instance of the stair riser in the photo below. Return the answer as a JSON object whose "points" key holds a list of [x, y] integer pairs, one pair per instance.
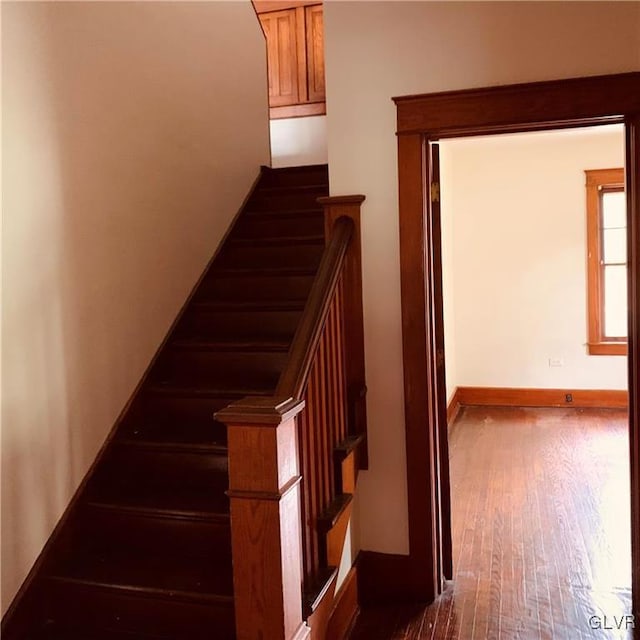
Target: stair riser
{"points": [[237, 326], [180, 414], [79, 605], [56, 632], [256, 288], [285, 201], [129, 466], [304, 256], [264, 226], [104, 529], [220, 367], [300, 177]]}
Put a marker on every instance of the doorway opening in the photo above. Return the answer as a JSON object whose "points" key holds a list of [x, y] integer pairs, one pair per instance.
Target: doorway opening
{"points": [[423, 120], [540, 487]]}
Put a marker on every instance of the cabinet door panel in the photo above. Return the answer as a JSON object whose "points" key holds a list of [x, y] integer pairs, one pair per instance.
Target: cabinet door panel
{"points": [[315, 53], [280, 28]]}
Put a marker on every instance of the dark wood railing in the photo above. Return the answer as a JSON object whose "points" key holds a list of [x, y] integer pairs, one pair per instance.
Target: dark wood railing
{"points": [[290, 500]]}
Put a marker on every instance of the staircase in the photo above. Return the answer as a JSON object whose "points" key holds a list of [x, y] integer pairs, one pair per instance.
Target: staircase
{"points": [[144, 551]]}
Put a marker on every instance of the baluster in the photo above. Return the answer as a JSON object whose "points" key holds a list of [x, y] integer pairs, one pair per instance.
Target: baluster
{"points": [[342, 391]]}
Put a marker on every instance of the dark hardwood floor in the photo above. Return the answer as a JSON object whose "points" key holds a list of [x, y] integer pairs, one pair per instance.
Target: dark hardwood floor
{"points": [[540, 531]]}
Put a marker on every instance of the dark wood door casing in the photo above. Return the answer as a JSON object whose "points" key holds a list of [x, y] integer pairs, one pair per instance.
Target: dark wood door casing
{"points": [[632, 147], [439, 418], [514, 108]]}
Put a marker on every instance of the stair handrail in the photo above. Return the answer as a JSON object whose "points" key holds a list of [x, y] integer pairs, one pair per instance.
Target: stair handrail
{"points": [[293, 379]]}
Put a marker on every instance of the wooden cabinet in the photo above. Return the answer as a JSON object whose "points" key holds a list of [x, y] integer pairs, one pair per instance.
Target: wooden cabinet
{"points": [[314, 39], [295, 54]]}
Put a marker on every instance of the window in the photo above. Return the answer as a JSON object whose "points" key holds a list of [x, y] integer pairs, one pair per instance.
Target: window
{"points": [[607, 262]]}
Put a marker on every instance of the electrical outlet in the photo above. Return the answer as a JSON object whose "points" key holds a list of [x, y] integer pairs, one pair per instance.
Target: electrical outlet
{"points": [[556, 362]]}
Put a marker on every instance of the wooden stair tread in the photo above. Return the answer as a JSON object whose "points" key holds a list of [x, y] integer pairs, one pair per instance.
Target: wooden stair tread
{"points": [[316, 589], [239, 272], [253, 306], [170, 593], [209, 391], [120, 569], [328, 518], [301, 169], [315, 186], [55, 631], [284, 213], [195, 383], [349, 444], [277, 240], [167, 499], [197, 343], [178, 446], [200, 516], [176, 434]]}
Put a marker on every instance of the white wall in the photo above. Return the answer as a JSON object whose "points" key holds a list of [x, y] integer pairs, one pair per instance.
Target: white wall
{"points": [[128, 145], [518, 258], [298, 141], [376, 50]]}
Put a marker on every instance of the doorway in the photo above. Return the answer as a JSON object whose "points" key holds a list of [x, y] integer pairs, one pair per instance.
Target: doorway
{"points": [[540, 492], [423, 120]]}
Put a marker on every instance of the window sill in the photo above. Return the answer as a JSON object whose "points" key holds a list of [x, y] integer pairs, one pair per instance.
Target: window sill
{"points": [[607, 348]]}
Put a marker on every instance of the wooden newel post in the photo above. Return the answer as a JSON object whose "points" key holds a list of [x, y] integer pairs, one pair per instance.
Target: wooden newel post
{"points": [[264, 490], [336, 207]]}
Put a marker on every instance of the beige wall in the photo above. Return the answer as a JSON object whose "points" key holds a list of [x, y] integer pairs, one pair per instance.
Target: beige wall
{"points": [[376, 50], [299, 141], [129, 142], [517, 261]]}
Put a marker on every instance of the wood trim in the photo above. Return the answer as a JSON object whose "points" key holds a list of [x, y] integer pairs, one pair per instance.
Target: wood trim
{"points": [[514, 108], [319, 619], [527, 397], [264, 6], [418, 375], [345, 608], [301, 54], [598, 177], [336, 536], [438, 382], [451, 113], [453, 408], [309, 98], [298, 110], [266, 535], [314, 22], [632, 164], [593, 266], [282, 33], [385, 578], [598, 344], [607, 348]]}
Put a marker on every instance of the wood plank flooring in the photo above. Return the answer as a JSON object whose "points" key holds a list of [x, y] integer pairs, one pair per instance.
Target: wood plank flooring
{"points": [[541, 522]]}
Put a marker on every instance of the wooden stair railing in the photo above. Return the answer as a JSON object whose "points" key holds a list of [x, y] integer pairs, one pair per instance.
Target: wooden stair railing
{"points": [[293, 457]]}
